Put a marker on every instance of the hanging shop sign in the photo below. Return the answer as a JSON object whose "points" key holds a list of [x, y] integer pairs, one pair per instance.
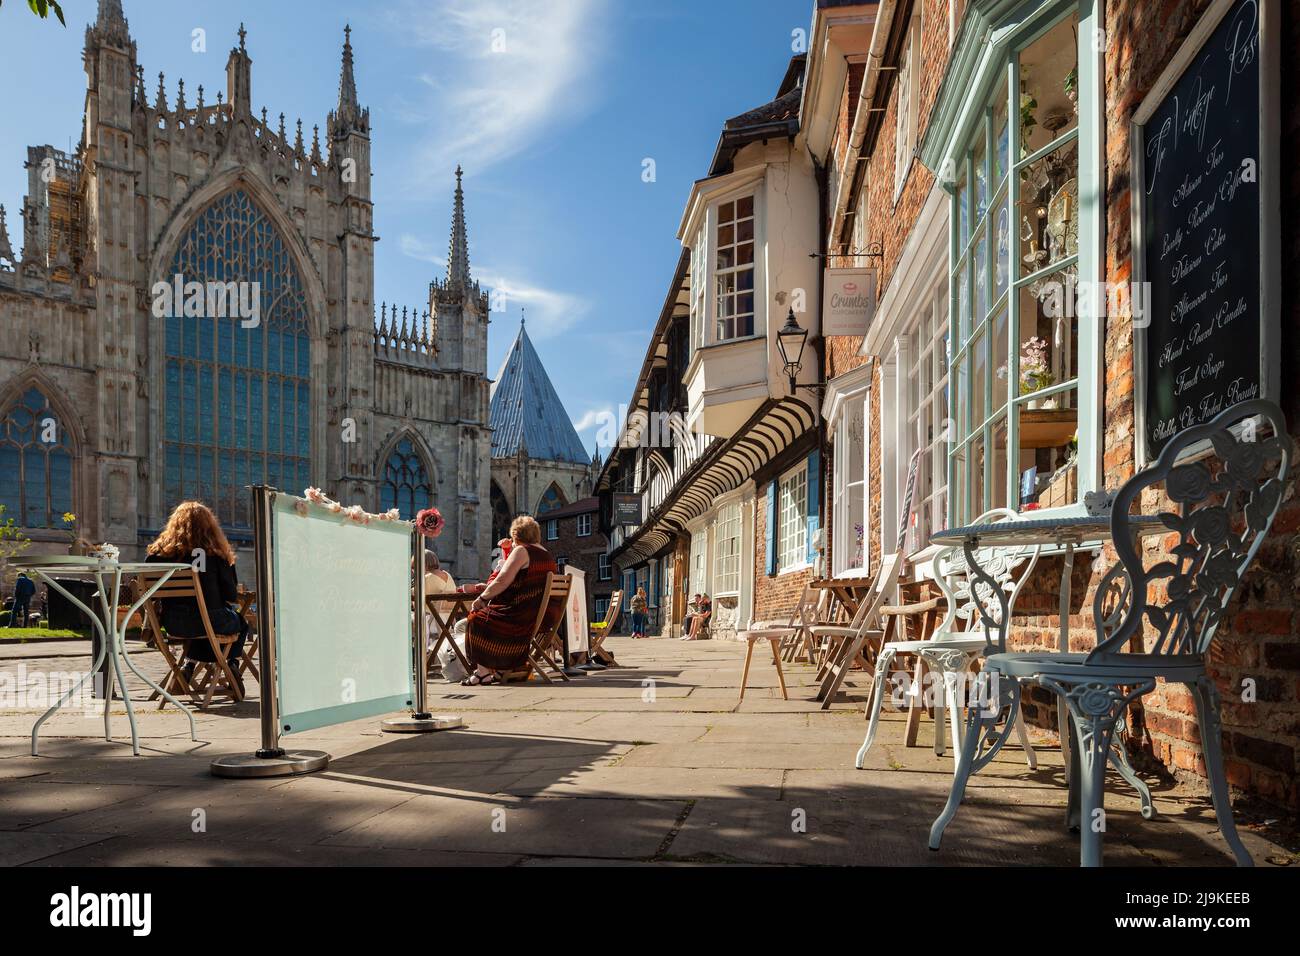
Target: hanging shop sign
{"points": [[849, 301]]}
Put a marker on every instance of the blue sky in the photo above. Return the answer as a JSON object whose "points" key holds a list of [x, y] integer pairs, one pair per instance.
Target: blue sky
{"points": [[552, 132]]}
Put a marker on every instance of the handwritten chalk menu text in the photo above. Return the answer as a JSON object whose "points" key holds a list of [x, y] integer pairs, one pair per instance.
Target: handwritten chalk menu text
{"points": [[1200, 222]]}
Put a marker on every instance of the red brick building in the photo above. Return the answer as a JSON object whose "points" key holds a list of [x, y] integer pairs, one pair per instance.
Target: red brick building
{"points": [[573, 535], [921, 125]]}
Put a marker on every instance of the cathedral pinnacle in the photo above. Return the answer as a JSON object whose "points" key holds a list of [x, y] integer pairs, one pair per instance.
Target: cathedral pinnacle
{"points": [[458, 255], [348, 116]]}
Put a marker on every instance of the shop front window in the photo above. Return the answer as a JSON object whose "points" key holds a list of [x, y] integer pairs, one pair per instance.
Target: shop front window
{"points": [[1015, 338], [927, 410], [849, 552]]}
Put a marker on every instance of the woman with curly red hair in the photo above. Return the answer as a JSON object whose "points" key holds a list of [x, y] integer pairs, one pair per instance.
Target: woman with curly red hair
{"points": [[193, 533]]}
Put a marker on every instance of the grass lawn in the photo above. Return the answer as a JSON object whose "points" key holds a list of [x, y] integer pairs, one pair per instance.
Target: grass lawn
{"points": [[24, 634]]}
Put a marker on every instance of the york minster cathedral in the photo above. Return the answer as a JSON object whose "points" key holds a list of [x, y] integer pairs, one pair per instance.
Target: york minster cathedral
{"points": [[114, 413]]}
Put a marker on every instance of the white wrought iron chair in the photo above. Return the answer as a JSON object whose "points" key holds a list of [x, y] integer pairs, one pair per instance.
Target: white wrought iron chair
{"points": [[973, 622], [1226, 506]]}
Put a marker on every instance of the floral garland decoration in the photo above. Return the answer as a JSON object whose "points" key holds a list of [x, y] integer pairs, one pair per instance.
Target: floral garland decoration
{"points": [[350, 512]]}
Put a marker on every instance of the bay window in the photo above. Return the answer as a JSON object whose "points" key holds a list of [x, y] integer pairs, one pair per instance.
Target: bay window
{"points": [[1016, 264], [697, 582], [733, 272]]}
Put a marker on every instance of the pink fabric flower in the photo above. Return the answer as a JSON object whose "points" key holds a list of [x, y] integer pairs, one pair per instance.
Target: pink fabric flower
{"points": [[315, 495], [429, 522]]}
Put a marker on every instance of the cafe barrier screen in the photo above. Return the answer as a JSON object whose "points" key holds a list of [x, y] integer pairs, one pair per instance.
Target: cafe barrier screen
{"points": [[342, 605]]}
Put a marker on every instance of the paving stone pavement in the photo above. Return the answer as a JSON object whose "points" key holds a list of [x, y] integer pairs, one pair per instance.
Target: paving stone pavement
{"points": [[655, 762]]}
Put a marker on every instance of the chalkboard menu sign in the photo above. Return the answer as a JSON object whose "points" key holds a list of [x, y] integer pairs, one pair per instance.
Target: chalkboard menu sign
{"points": [[1199, 158]]}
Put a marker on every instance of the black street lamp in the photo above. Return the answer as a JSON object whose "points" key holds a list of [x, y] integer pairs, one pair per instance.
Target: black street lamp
{"points": [[791, 340]]}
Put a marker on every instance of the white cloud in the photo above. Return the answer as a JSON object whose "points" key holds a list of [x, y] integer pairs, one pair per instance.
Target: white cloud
{"points": [[506, 72], [594, 417], [549, 312]]}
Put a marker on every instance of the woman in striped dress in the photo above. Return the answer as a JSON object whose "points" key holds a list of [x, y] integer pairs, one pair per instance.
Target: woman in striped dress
{"points": [[501, 618]]}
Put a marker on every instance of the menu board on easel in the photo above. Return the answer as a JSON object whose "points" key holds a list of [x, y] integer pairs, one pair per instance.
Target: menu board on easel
{"points": [[1205, 249]]}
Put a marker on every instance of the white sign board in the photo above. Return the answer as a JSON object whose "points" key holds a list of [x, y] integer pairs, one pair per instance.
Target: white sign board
{"points": [[849, 302], [577, 612]]}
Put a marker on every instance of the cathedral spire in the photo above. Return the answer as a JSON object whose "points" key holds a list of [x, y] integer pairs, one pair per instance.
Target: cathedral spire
{"points": [[348, 116], [347, 81], [458, 255]]}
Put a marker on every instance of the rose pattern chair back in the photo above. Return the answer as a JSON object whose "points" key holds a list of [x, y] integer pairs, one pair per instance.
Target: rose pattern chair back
{"points": [[1225, 504], [973, 603]]}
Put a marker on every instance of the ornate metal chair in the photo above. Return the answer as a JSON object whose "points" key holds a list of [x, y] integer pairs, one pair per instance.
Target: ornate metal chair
{"points": [[1226, 504], [975, 619]]}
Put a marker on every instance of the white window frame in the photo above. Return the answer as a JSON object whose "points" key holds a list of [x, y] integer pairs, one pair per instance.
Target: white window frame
{"points": [[553, 529], [604, 570], [906, 112], [602, 607], [1085, 381], [727, 536], [584, 526], [924, 359], [697, 572], [791, 537], [844, 537], [735, 270]]}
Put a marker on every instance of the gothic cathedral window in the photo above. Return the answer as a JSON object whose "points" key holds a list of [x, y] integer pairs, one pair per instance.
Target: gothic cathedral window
{"points": [[551, 499], [405, 484], [35, 463], [237, 409]]}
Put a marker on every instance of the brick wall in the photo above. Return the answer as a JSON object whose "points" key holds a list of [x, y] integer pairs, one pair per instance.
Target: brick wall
{"points": [[584, 553], [776, 596]]}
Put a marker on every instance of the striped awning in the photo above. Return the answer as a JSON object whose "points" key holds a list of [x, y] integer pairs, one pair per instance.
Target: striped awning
{"points": [[724, 467]]}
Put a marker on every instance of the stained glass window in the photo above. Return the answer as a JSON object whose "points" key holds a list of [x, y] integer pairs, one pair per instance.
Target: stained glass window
{"points": [[550, 501], [35, 463], [405, 485], [236, 390]]}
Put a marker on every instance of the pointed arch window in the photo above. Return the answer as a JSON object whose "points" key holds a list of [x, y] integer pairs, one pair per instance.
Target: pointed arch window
{"points": [[237, 406], [552, 499], [405, 485], [36, 456]]}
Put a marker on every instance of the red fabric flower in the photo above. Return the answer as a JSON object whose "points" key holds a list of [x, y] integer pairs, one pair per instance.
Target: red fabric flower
{"points": [[429, 522]]}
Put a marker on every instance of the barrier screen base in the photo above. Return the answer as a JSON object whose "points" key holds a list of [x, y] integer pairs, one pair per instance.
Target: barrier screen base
{"points": [[290, 763], [423, 723]]}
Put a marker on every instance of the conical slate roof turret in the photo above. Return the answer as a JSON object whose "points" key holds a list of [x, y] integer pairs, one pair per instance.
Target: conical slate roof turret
{"points": [[527, 412]]}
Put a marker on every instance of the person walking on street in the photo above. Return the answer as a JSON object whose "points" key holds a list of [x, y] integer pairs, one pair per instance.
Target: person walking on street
{"points": [[638, 613], [24, 588]]}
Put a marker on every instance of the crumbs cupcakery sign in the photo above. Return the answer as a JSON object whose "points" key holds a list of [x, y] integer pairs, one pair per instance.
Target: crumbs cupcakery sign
{"points": [[1205, 225]]}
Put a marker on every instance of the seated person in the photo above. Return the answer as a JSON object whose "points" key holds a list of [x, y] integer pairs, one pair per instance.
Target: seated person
{"points": [[436, 580], [700, 619], [501, 619], [192, 525], [691, 610]]}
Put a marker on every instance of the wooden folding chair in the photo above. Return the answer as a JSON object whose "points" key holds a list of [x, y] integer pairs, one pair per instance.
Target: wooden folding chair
{"points": [[252, 646], [850, 640], [599, 630], [543, 643], [208, 677]]}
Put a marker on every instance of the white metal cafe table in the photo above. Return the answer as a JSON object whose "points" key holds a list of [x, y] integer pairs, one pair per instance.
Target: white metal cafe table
{"points": [[1067, 534], [107, 574]]}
